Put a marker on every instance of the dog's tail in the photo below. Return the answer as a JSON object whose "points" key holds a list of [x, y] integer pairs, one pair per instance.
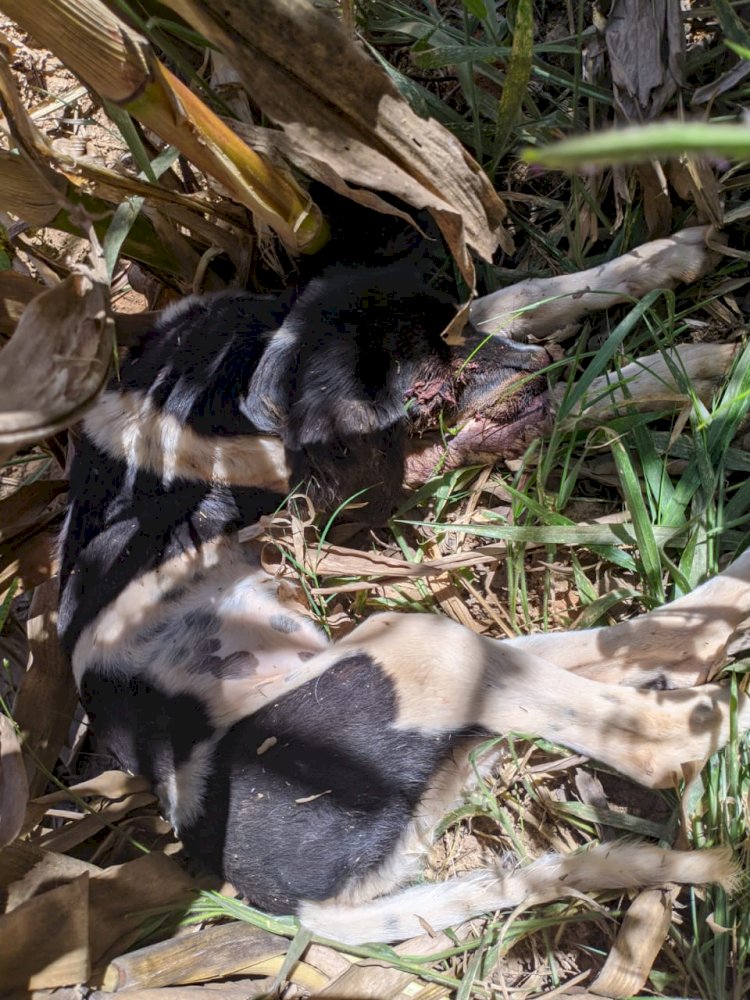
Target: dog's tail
{"points": [[421, 908]]}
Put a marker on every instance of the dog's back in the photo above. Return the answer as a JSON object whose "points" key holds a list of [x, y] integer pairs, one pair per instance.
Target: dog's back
{"points": [[193, 669]]}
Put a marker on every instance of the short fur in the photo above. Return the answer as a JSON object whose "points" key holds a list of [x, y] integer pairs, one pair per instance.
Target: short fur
{"points": [[312, 775]]}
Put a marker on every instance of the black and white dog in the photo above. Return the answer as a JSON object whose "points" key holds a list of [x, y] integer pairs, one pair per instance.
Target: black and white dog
{"points": [[312, 775]]}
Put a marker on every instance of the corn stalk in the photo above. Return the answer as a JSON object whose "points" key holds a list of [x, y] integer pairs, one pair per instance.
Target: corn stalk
{"points": [[117, 63]]}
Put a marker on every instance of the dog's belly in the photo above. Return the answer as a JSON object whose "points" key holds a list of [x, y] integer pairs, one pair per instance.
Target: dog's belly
{"points": [[209, 624]]}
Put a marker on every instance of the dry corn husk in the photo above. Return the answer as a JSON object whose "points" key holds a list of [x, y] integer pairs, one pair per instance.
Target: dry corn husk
{"points": [[637, 944], [344, 120], [117, 62]]}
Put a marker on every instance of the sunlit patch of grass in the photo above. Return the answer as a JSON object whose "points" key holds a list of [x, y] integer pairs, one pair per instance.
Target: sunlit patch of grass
{"points": [[710, 947]]}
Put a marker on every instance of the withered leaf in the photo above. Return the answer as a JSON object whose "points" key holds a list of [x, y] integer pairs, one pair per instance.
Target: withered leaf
{"points": [[111, 785], [14, 789], [56, 361], [337, 106], [29, 561], [44, 943], [29, 507], [645, 41], [121, 896], [47, 696], [637, 944], [26, 870]]}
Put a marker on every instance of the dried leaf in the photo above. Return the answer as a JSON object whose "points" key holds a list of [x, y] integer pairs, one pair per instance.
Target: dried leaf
{"points": [[30, 561], [657, 206], [47, 696], [695, 179], [118, 897], [121, 896], [336, 560], [117, 62], [14, 789], [28, 507], [109, 785], [57, 360], [637, 944], [13, 297], [716, 927], [445, 593], [371, 979], [35, 183], [645, 41], [25, 869], [78, 831], [25, 193], [341, 108], [726, 81], [44, 942], [18, 287]]}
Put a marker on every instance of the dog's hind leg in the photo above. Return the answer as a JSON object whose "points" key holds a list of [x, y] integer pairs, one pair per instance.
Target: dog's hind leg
{"points": [[448, 679], [678, 645], [411, 911]]}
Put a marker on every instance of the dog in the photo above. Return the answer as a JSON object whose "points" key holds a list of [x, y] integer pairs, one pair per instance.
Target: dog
{"points": [[309, 774]]}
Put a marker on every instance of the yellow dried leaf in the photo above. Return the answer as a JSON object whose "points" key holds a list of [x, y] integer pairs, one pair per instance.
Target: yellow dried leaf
{"points": [[339, 108]]}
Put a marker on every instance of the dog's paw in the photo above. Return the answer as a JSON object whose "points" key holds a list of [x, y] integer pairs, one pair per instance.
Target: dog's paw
{"points": [[683, 257]]}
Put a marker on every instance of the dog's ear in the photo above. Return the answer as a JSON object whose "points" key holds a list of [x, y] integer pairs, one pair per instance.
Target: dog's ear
{"points": [[267, 398], [196, 362]]}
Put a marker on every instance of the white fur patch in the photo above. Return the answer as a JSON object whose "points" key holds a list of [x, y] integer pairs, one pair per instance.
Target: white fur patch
{"points": [[186, 790], [128, 426], [227, 582]]}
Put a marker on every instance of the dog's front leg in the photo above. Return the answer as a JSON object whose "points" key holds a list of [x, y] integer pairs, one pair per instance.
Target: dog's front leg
{"points": [[651, 383], [678, 645], [448, 679], [542, 308]]}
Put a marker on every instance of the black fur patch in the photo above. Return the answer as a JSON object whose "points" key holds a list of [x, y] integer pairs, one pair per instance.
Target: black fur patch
{"points": [[145, 730], [197, 364], [336, 747]]}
